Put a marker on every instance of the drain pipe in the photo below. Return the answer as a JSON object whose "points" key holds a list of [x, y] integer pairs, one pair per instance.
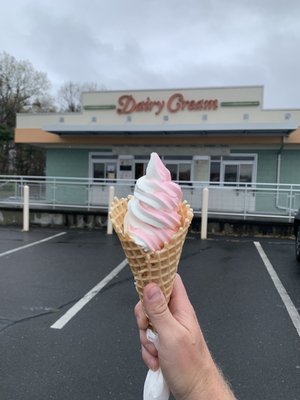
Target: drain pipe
{"points": [[278, 165], [278, 173]]}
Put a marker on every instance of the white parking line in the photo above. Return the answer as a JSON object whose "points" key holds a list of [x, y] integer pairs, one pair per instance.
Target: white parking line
{"points": [[62, 321], [291, 309], [6, 253]]}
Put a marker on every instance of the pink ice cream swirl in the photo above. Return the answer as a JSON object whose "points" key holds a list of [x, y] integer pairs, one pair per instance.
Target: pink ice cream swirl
{"points": [[152, 217]]}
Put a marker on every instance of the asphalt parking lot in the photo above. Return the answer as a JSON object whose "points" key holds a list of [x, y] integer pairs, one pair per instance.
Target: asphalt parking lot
{"points": [[93, 352]]}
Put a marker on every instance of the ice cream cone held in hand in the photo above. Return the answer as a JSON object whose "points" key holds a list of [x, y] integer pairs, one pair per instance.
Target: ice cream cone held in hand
{"points": [[152, 226]]}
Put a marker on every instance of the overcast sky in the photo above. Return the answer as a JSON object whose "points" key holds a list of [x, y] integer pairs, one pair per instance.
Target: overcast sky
{"points": [[152, 44]]}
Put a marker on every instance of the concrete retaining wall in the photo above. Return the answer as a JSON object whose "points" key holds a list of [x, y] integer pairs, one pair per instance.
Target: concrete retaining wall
{"points": [[72, 219], [53, 219]]}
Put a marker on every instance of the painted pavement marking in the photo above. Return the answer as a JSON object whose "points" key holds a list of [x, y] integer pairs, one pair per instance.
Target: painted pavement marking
{"points": [[62, 321], [6, 253], [289, 305]]}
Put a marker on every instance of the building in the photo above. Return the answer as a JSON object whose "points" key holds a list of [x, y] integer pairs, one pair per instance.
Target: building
{"points": [[222, 135]]}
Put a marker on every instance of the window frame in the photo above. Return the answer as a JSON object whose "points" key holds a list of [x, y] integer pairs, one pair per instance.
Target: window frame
{"points": [[237, 159], [102, 158], [178, 163]]}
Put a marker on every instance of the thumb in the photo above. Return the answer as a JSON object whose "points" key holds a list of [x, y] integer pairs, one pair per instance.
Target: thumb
{"points": [[157, 309]]}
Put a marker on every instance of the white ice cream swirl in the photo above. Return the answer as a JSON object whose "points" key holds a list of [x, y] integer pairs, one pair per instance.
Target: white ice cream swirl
{"points": [[152, 218]]}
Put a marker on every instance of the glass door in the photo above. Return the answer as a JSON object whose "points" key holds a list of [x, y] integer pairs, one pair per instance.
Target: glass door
{"points": [[235, 175]]}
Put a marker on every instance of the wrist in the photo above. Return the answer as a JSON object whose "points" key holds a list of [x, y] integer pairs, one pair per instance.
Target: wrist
{"points": [[208, 384]]}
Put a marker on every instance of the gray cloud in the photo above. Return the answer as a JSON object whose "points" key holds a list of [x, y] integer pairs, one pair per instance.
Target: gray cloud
{"points": [[154, 43]]}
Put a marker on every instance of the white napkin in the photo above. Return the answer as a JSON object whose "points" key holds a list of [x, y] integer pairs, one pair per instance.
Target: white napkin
{"points": [[155, 387]]}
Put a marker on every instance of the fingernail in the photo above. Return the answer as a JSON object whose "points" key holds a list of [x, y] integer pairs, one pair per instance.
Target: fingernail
{"points": [[153, 293]]}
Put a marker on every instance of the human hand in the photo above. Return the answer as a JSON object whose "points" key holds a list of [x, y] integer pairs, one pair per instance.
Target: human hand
{"points": [[181, 353]]}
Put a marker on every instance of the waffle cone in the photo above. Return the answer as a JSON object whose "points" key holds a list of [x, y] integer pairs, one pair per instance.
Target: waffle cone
{"points": [[151, 266]]}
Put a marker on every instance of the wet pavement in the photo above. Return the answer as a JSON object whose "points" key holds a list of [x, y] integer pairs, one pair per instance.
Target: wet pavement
{"points": [[43, 273]]}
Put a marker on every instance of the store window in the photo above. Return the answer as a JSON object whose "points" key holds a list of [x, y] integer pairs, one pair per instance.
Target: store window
{"points": [[98, 170], [102, 167], [178, 166], [104, 170], [215, 171], [140, 169], [231, 173], [233, 169], [246, 173], [238, 173], [180, 171], [184, 172], [173, 170]]}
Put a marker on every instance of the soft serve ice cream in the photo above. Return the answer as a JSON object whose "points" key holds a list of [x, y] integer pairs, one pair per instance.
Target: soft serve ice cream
{"points": [[152, 218], [152, 226]]}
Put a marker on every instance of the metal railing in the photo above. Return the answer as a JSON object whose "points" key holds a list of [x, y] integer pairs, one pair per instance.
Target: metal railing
{"points": [[246, 200]]}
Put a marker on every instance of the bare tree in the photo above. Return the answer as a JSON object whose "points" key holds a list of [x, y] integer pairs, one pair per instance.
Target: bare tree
{"points": [[69, 94], [21, 87], [45, 103]]}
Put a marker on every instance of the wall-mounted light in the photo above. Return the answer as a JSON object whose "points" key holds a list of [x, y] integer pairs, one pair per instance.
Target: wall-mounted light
{"points": [[287, 116]]}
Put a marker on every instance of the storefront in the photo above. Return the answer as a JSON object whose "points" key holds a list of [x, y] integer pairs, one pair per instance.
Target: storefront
{"points": [[219, 135]]}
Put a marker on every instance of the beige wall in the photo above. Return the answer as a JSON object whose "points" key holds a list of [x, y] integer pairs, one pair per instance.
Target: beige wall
{"points": [[32, 128]]}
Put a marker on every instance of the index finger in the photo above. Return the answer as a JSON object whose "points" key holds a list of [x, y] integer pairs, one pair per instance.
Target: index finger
{"points": [[141, 319], [179, 300]]}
